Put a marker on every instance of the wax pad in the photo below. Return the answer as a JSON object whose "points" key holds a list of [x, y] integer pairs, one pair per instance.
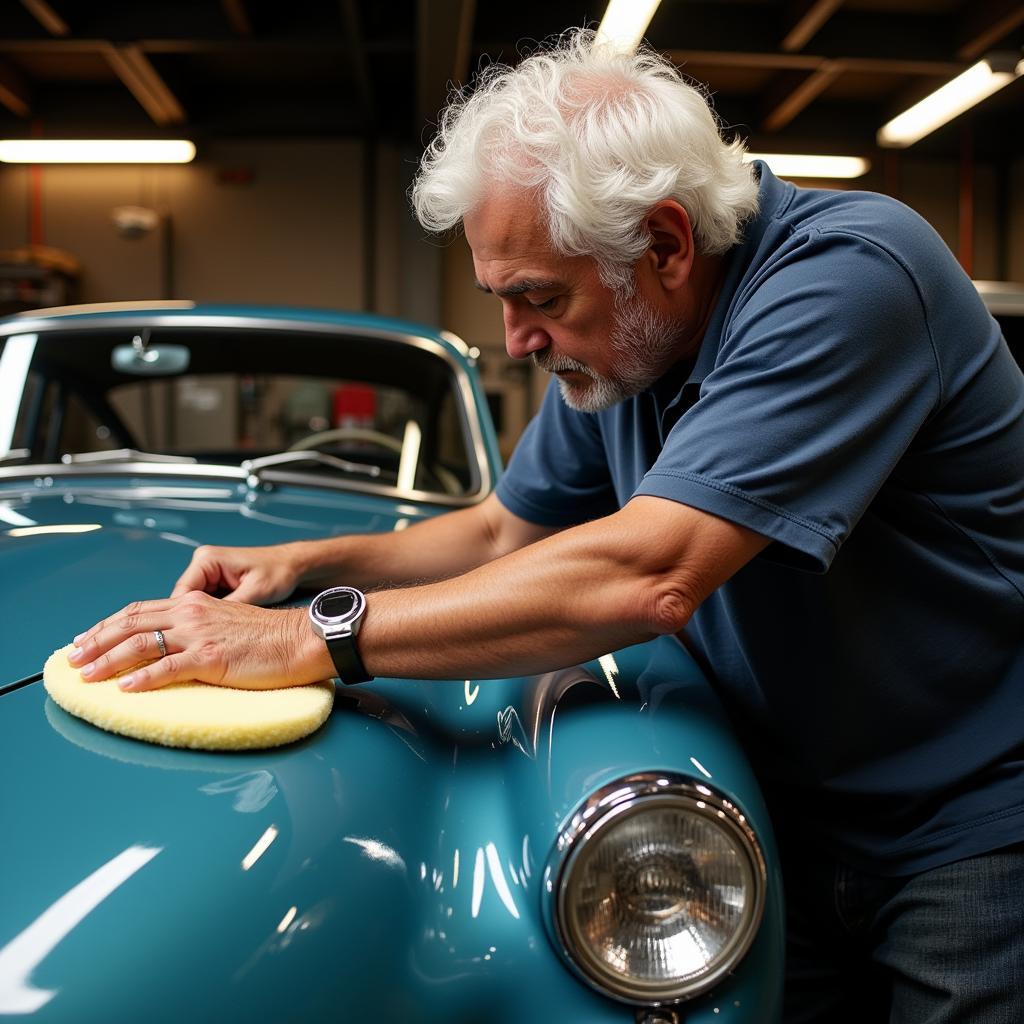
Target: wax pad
{"points": [[193, 715]]}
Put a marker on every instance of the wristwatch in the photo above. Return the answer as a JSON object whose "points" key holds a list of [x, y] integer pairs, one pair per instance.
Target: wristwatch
{"points": [[336, 615]]}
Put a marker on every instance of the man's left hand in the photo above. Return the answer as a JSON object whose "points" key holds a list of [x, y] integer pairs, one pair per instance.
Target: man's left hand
{"points": [[212, 641]]}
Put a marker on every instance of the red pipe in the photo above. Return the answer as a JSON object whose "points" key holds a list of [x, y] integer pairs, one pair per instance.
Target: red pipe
{"points": [[35, 195]]}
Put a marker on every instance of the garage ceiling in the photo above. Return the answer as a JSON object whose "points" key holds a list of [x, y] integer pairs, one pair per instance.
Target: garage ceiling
{"points": [[814, 76]]}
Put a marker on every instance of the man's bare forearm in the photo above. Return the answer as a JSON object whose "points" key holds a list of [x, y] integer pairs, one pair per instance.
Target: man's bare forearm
{"points": [[607, 584], [433, 549]]}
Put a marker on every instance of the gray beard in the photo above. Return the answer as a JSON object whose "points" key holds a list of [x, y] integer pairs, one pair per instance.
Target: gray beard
{"points": [[643, 341]]}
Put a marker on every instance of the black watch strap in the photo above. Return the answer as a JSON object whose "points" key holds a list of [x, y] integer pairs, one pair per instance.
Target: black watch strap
{"points": [[346, 660]]}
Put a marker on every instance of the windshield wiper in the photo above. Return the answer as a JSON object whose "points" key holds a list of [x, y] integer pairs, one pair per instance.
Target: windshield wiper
{"points": [[122, 455], [253, 467]]}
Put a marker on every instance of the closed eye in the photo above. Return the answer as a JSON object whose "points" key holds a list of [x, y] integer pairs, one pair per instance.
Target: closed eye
{"points": [[547, 306]]}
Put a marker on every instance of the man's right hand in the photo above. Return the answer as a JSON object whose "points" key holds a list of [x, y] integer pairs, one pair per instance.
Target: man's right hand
{"points": [[252, 575]]}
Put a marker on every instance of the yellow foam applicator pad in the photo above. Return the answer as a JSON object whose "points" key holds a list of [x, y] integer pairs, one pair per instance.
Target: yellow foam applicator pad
{"points": [[193, 715]]}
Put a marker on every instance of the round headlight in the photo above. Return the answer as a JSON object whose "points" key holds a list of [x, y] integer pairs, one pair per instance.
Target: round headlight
{"points": [[658, 888]]}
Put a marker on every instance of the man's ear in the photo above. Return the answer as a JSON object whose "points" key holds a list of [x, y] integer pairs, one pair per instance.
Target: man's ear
{"points": [[670, 255]]}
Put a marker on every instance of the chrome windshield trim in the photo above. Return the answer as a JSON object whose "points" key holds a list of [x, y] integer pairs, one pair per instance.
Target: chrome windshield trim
{"points": [[116, 455], [57, 470], [465, 388]]}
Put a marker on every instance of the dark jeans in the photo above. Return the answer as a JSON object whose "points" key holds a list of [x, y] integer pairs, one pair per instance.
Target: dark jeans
{"points": [[945, 946]]}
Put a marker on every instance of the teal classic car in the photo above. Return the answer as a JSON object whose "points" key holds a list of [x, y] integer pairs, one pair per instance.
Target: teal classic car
{"points": [[584, 845]]}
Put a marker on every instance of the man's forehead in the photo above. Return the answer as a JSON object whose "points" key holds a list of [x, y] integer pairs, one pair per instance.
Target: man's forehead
{"points": [[507, 221]]}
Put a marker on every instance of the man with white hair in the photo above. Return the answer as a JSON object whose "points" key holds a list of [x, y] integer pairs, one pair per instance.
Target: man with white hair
{"points": [[784, 428]]}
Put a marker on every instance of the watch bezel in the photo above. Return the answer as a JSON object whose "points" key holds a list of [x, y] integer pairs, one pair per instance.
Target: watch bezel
{"points": [[332, 627]]}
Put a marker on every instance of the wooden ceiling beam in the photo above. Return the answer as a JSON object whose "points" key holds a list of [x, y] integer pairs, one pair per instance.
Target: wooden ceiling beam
{"points": [[806, 18], [705, 58], [728, 59], [238, 17], [910, 68], [986, 24], [789, 101], [805, 62], [14, 91], [143, 81], [44, 13]]}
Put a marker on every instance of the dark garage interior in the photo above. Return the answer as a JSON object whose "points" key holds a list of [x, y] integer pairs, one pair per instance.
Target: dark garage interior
{"points": [[607, 608], [308, 119]]}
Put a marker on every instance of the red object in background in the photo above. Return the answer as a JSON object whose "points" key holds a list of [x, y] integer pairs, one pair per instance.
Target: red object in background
{"points": [[354, 405]]}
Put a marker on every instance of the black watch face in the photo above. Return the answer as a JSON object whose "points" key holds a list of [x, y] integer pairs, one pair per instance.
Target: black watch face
{"points": [[337, 606]]}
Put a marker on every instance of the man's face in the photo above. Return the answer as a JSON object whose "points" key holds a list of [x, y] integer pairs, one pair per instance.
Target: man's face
{"points": [[601, 346]]}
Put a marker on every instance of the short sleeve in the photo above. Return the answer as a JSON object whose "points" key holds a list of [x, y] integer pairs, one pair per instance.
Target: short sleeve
{"points": [[825, 373], [558, 474]]}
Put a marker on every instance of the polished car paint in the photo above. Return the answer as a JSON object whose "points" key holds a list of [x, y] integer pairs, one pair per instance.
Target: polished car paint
{"points": [[390, 866]]}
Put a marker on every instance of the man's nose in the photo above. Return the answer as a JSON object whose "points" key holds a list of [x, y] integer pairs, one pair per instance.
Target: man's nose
{"points": [[523, 337]]}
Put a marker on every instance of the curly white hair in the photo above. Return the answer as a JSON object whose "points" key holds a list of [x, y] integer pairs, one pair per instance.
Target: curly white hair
{"points": [[601, 137]]}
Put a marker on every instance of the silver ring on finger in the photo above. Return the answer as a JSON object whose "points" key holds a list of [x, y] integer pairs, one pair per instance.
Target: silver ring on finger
{"points": [[160, 642]]}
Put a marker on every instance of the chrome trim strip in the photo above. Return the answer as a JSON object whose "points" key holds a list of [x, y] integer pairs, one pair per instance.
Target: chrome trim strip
{"points": [[115, 455], [313, 327], [601, 809], [53, 471]]}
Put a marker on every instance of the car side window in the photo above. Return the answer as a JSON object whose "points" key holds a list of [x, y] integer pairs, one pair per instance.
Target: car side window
{"points": [[54, 420], [26, 427], [82, 430]]}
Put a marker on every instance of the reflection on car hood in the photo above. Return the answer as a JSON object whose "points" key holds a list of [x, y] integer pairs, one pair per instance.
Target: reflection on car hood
{"points": [[72, 553]]}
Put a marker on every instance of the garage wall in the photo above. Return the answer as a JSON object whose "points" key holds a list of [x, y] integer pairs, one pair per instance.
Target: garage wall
{"points": [[292, 233], [286, 223]]}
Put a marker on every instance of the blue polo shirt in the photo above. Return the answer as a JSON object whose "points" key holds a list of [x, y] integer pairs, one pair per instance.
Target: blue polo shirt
{"points": [[853, 401]]}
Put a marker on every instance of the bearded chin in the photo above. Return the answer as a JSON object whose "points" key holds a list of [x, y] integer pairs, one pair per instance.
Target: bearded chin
{"points": [[597, 394], [643, 341]]}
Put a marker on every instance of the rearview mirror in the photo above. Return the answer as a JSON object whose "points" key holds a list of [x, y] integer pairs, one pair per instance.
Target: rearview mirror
{"points": [[145, 360]]}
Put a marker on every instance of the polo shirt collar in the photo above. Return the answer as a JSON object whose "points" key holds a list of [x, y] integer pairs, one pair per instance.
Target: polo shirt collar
{"points": [[773, 196]]}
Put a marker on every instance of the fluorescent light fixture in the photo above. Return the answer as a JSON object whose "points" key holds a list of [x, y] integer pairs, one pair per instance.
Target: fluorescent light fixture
{"points": [[624, 23], [951, 100], [96, 151], [797, 165]]}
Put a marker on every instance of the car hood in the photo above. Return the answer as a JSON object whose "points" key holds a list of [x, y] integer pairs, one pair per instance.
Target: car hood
{"points": [[72, 553], [390, 866]]}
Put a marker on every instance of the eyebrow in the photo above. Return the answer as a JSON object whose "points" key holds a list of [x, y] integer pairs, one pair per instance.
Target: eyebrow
{"points": [[529, 285]]}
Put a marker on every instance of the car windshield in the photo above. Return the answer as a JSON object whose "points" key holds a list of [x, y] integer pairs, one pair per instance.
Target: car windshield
{"points": [[384, 410]]}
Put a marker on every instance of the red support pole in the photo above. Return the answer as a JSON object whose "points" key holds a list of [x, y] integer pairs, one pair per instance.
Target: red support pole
{"points": [[35, 195]]}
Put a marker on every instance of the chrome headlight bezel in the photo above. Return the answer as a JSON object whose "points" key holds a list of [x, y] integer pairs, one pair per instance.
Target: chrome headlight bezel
{"points": [[649, 791]]}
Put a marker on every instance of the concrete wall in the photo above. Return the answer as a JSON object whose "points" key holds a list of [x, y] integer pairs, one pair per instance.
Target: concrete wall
{"points": [[293, 234], [310, 226]]}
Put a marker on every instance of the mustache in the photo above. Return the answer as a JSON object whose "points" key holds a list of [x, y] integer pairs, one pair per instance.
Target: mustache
{"points": [[551, 363]]}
